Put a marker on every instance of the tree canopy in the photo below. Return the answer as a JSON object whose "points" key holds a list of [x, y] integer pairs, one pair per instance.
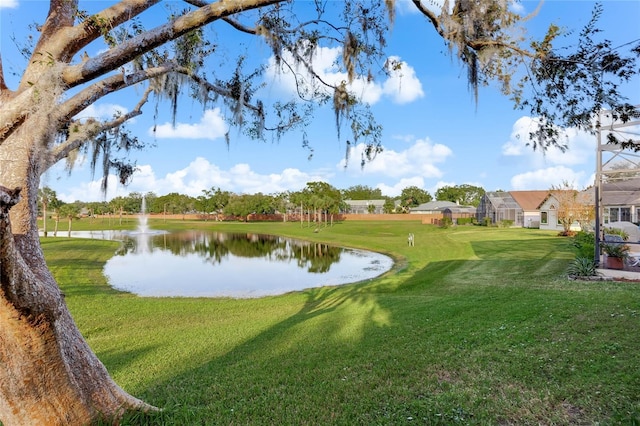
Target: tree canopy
{"points": [[413, 196], [465, 194], [362, 192]]}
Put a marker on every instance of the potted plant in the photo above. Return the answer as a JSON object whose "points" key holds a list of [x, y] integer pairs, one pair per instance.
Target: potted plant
{"points": [[615, 255]]}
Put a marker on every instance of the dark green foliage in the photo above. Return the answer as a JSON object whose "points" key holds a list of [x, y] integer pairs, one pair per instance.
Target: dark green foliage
{"points": [[467, 195], [585, 244], [465, 220], [413, 196], [362, 192], [446, 222], [582, 267]]}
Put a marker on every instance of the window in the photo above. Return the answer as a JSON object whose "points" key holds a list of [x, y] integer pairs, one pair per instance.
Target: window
{"points": [[613, 214], [625, 214], [543, 218]]}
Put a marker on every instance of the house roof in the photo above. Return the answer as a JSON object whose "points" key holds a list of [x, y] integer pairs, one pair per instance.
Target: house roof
{"points": [[365, 203], [434, 205], [460, 209], [586, 197], [529, 200]]}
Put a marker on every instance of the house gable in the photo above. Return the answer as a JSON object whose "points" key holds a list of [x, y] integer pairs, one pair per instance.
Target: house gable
{"points": [[529, 200]]}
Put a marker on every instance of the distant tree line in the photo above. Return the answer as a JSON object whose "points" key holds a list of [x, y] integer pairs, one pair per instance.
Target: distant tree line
{"points": [[319, 200]]}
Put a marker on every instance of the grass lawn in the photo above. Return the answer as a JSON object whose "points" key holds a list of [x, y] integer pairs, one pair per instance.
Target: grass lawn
{"points": [[476, 325]]}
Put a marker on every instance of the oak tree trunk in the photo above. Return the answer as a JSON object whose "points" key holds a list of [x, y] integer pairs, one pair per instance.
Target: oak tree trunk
{"points": [[48, 373]]}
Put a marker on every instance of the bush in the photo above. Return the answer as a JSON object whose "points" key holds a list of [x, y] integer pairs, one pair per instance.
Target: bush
{"points": [[617, 231], [506, 223], [446, 222], [585, 244], [582, 267]]}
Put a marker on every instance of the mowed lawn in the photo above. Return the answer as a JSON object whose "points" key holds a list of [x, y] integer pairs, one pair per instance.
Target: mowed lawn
{"points": [[475, 325]]}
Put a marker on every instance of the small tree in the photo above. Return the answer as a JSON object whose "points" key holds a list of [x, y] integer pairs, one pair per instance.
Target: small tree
{"points": [[573, 206], [70, 212], [48, 199]]}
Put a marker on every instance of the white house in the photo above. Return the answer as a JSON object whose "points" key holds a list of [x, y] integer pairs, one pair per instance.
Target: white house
{"points": [[365, 206], [550, 206]]}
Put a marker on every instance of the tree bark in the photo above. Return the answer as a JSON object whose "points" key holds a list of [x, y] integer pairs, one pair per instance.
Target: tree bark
{"points": [[49, 374]]}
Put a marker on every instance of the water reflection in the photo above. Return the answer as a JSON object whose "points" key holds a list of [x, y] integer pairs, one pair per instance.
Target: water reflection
{"points": [[214, 264]]}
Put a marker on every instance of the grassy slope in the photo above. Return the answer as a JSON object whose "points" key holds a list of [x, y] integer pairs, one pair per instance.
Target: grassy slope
{"points": [[477, 325]]}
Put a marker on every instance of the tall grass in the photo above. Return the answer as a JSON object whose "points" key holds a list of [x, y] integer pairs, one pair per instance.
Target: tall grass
{"points": [[476, 325]]}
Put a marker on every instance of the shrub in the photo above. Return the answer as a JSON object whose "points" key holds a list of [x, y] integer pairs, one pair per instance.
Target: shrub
{"points": [[617, 231], [585, 244], [582, 267], [465, 220], [506, 223], [446, 222]]}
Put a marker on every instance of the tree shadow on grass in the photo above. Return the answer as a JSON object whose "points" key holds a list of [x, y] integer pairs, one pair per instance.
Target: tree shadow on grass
{"points": [[342, 342], [332, 321], [119, 359], [325, 353]]}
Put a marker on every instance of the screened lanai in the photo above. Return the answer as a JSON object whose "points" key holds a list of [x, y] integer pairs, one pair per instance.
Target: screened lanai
{"points": [[499, 206]]}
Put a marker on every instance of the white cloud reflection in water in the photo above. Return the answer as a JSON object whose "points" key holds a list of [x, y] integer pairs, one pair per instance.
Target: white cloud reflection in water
{"points": [[214, 264]]}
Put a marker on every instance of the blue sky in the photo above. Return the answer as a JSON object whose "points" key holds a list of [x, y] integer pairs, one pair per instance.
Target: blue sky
{"points": [[434, 132]]}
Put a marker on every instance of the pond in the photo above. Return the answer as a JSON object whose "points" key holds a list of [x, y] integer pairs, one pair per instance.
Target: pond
{"points": [[238, 265]]}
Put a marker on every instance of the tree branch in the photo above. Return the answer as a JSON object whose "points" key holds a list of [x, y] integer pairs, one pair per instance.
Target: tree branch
{"points": [[97, 25], [130, 49], [93, 128], [235, 24], [111, 84], [14, 113], [477, 44], [58, 26], [61, 15]]}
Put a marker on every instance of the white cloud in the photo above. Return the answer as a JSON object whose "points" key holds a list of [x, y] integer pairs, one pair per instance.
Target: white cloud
{"points": [[581, 146], [92, 191], [211, 126], [8, 4], [401, 87], [191, 180], [396, 190], [551, 176], [418, 159], [102, 111]]}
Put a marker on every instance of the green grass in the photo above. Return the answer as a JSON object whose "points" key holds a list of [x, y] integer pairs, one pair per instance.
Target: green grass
{"points": [[475, 326]]}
